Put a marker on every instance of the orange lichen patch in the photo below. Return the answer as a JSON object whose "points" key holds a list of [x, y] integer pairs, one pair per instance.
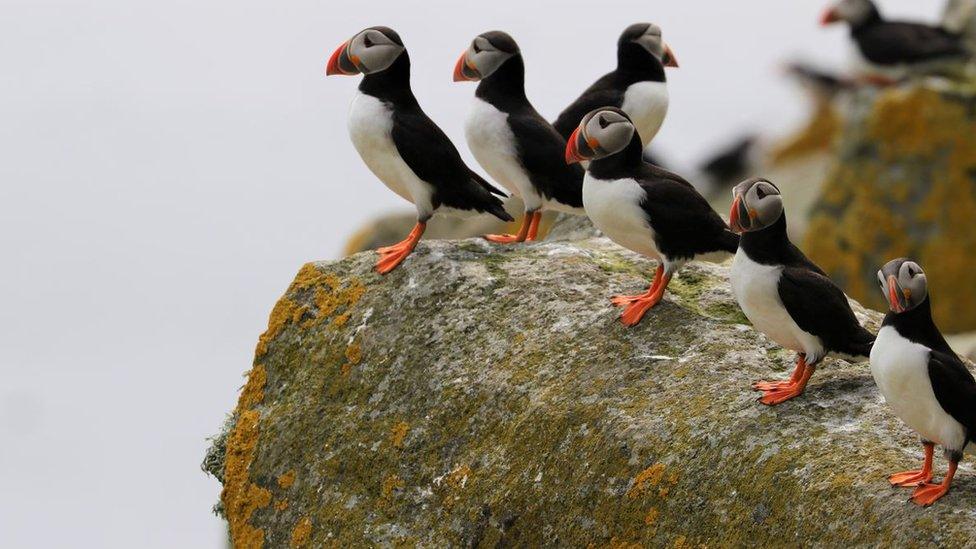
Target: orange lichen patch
{"points": [[391, 484], [354, 355], [240, 496], [458, 478], [817, 136], [281, 505], [284, 312], [253, 392], [332, 296], [651, 517], [399, 433], [301, 533], [681, 542], [309, 276], [645, 479], [287, 479], [617, 543]]}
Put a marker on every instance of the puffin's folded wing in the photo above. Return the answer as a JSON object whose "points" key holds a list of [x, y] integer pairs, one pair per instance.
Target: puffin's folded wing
{"points": [[820, 308], [542, 154], [592, 98], [955, 389], [895, 42]]}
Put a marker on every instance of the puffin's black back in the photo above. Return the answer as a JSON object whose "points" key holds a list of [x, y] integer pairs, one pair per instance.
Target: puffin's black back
{"points": [[889, 43], [918, 326]]}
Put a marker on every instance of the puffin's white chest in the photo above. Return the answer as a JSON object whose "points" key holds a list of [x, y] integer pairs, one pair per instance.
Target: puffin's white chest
{"points": [[756, 288], [492, 142], [647, 104], [901, 371], [371, 131], [614, 207]]}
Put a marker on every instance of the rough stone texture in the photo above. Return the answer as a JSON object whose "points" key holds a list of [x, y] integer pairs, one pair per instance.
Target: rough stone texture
{"points": [[903, 183], [486, 395]]}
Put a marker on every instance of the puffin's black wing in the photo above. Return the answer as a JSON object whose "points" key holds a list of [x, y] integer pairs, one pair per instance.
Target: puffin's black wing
{"points": [[542, 151], [601, 94], [895, 42], [955, 389], [430, 154], [684, 224], [820, 308]]}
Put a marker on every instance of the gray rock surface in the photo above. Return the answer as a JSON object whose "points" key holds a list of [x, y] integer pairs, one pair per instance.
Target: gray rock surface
{"points": [[486, 395]]}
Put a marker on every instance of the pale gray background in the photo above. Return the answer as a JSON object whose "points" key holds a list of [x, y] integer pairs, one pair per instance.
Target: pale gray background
{"points": [[167, 166]]}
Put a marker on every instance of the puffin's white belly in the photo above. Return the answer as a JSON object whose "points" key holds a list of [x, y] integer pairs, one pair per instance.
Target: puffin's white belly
{"points": [[901, 371], [614, 208], [646, 103], [370, 128], [756, 288]]}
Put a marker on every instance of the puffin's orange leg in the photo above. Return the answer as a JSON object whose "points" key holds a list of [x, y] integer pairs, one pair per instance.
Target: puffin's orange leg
{"points": [[624, 300], [391, 256], [793, 390], [916, 478], [513, 238], [635, 311], [534, 226], [794, 377], [927, 493]]}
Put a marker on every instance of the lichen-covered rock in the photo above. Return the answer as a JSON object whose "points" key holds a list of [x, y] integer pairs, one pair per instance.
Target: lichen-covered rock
{"points": [[903, 183], [485, 395]]}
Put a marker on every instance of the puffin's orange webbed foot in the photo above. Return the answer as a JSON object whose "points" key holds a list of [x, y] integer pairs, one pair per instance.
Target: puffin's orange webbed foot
{"points": [[392, 256], [781, 395], [504, 238], [910, 478], [624, 300], [770, 385], [637, 309], [926, 494]]}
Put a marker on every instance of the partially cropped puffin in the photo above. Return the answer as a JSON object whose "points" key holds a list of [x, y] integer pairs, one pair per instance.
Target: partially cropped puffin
{"points": [[891, 48], [638, 85], [922, 380], [516, 146], [784, 294], [640, 206], [400, 144]]}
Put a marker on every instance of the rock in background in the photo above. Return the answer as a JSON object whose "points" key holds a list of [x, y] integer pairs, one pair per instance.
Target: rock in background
{"points": [[960, 17], [903, 183], [485, 395]]}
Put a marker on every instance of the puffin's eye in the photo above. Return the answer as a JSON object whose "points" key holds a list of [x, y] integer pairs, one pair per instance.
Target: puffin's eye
{"points": [[476, 48], [367, 42], [760, 193], [604, 122]]}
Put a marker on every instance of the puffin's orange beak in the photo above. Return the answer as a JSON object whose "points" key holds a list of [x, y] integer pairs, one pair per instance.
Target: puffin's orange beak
{"points": [[669, 59], [737, 213], [463, 71], [829, 16], [340, 62], [572, 148], [893, 301]]}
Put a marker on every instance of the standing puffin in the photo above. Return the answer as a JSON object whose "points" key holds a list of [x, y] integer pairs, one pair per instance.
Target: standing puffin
{"points": [[889, 48], [638, 85], [922, 380], [401, 145], [516, 146], [784, 294], [640, 206]]}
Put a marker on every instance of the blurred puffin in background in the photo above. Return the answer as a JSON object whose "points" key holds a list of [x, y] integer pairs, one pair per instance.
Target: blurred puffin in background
{"points": [[401, 145], [638, 85], [642, 207], [922, 379], [513, 143]]}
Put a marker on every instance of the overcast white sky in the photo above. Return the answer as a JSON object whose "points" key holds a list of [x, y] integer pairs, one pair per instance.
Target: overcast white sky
{"points": [[166, 167]]}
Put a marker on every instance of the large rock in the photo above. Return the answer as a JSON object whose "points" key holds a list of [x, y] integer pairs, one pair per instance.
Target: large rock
{"points": [[487, 395], [903, 183]]}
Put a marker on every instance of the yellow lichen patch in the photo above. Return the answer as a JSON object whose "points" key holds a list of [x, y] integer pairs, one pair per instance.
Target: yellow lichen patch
{"points": [[331, 296], [240, 496], [284, 312], [309, 277], [458, 478], [285, 480], [390, 485], [817, 136], [651, 517], [354, 355], [399, 433], [281, 505], [645, 479], [253, 392], [301, 533]]}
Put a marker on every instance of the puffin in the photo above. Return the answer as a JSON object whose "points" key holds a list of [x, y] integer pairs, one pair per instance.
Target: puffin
{"points": [[642, 207], [512, 142], [638, 85], [730, 164], [890, 48], [401, 145], [922, 379], [823, 86], [785, 295]]}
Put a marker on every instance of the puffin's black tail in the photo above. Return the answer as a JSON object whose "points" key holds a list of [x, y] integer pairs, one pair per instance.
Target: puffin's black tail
{"points": [[862, 345], [728, 241], [497, 209]]}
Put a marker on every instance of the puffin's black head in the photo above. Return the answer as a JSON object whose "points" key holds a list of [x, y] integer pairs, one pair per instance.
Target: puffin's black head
{"points": [[756, 204], [646, 38], [854, 12], [603, 132], [903, 283], [370, 51], [488, 51]]}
